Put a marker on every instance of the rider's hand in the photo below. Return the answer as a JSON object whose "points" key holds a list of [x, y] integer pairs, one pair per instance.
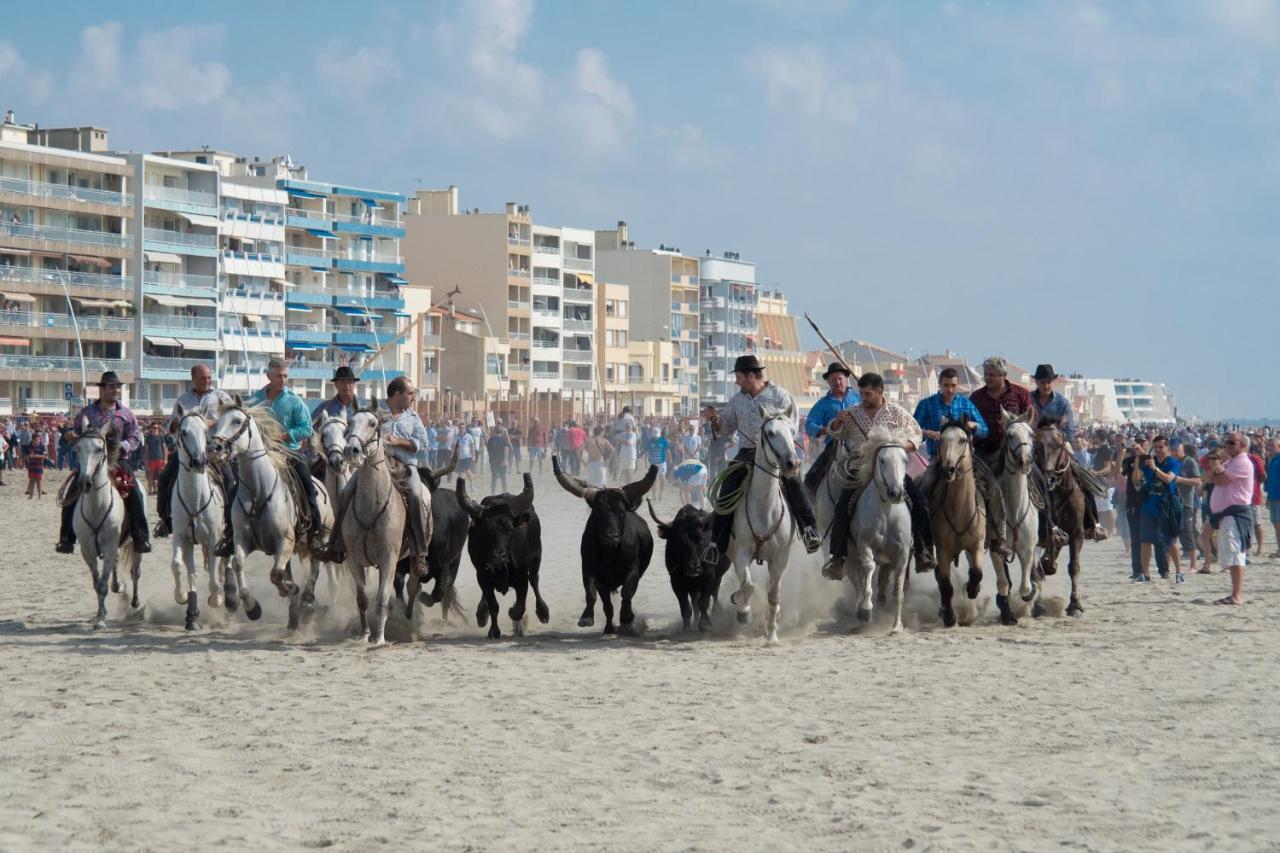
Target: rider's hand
{"points": [[929, 433]]}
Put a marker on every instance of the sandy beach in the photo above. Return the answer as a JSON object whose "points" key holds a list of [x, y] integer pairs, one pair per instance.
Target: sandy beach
{"points": [[1148, 724]]}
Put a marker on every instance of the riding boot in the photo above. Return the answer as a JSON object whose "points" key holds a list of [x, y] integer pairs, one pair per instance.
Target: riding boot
{"points": [[722, 523], [819, 468], [921, 527], [336, 552], [136, 510], [164, 497], [67, 532], [839, 537], [802, 510], [993, 501]]}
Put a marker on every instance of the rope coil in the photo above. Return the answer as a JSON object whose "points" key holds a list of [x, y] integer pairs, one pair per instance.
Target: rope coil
{"points": [[727, 504]]}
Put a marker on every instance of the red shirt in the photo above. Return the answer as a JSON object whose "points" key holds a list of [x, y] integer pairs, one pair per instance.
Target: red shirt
{"points": [[1015, 400], [1259, 473], [577, 438]]}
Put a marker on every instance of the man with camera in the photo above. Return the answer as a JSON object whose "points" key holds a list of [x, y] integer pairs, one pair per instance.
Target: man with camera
{"points": [[1153, 475]]}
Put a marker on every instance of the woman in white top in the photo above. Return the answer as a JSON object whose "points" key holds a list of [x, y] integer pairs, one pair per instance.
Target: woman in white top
{"points": [[627, 451]]}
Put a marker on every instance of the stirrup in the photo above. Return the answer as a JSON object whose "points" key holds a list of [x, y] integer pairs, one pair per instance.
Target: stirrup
{"points": [[65, 547], [925, 560], [1097, 534], [833, 569], [812, 540], [711, 554], [225, 547], [162, 529]]}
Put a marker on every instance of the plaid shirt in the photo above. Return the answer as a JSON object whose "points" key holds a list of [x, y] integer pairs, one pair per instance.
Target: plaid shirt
{"points": [[931, 411], [1015, 400], [889, 416], [1057, 408], [126, 423]]}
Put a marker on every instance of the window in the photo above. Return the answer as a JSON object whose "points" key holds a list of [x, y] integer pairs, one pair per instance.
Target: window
{"points": [[622, 337], [635, 372], [622, 307], [609, 372]]}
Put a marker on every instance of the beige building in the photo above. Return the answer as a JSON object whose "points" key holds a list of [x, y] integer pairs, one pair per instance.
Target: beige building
{"points": [[652, 389], [613, 352], [67, 234], [778, 347]]}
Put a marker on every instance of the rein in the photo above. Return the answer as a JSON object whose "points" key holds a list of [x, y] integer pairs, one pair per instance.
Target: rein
{"points": [[766, 441], [946, 485], [111, 504], [197, 472]]}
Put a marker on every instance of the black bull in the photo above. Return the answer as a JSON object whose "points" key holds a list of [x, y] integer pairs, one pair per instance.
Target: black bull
{"points": [[616, 544], [695, 581], [449, 525]]}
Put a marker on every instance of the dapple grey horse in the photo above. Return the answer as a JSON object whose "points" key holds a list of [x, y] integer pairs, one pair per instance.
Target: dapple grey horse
{"points": [[99, 518]]}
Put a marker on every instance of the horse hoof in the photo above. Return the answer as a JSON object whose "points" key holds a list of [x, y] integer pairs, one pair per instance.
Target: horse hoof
{"points": [[1038, 610], [190, 624], [254, 613], [179, 597], [543, 612], [231, 603], [744, 616], [948, 618], [308, 599], [972, 590], [610, 630], [99, 624], [586, 621], [494, 633], [864, 614], [1074, 609], [737, 599]]}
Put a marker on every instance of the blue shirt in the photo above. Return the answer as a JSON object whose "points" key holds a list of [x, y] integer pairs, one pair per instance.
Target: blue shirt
{"points": [[931, 411], [658, 447], [825, 410], [1057, 408], [290, 412], [1154, 489], [1273, 478]]}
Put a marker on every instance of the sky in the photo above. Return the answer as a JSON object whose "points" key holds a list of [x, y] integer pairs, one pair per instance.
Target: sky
{"points": [[1089, 184]]}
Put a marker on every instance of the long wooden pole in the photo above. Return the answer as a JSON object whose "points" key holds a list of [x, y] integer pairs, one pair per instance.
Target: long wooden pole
{"points": [[830, 346]]}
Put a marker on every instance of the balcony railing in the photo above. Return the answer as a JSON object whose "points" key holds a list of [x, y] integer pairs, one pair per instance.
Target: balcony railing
{"points": [[363, 220], [39, 321], [238, 215], [263, 257], [179, 279], [547, 248], [518, 336], [542, 343], [78, 279], [516, 303], [543, 281], [540, 374], [518, 241], [58, 362], [577, 264], [579, 294], [166, 362], [519, 272], [44, 189], [578, 384], [177, 321], [579, 356], [66, 235], [156, 192], [553, 313], [574, 325], [180, 238]]}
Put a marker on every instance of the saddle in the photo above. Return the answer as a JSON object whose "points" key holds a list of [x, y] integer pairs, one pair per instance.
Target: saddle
{"points": [[121, 477]]}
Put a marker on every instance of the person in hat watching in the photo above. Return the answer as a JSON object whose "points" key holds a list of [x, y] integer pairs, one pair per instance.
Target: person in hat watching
{"points": [[291, 413], [840, 396], [108, 409], [344, 403], [203, 399], [743, 415], [1052, 406]]}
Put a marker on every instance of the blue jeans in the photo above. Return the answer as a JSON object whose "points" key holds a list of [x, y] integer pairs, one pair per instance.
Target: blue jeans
{"points": [[1132, 519], [1153, 534]]}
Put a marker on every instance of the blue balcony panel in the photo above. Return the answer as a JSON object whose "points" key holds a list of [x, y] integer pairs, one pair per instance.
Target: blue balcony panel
{"points": [[309, 261], [363, 302], [310, 297], [368, 266], [293, 220], [371, 229], [293, 336], [371, 195], [181, 248]]}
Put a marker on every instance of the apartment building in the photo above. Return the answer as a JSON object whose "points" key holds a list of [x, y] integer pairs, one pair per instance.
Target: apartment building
{"points": [[68, 281], [613, 354], [663, 298], [778, 346], [728, 325], [534, 286], [652, 386]]}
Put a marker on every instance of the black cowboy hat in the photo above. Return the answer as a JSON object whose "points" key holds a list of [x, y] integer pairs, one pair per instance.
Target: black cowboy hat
{"points": [[837, 367], [109, 378], [1045, 371], [343, 372], [747, 363]]}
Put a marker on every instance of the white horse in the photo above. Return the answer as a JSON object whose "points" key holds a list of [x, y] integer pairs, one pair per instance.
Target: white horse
{"points": [[880, 531], [99, 516], [197, 516], [330, 442], [1021, 518], [265, 516], [762, 525]]}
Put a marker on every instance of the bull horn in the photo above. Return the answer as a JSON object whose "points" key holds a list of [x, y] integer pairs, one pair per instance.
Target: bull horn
{"points": [[441, 473], [654, 514], [633, 492], [572, 485], [523, 502], [472, 508]]}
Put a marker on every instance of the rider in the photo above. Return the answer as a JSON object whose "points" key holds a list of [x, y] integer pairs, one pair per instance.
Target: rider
{"points": [[108, 409], [1050, 405], [203, 399], [743, 414], [950, 405], [345, 402], [404, 435], [839, 397], [291, 413], [853, 426]]}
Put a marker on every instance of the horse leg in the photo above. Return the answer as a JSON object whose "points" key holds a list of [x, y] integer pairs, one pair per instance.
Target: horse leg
{"points": [[540, 608], [1004, 585], [135, 573], [414, 588], [588, 617], [516, 612], [402, 569], [279, 573], [742, 598], [177, 563], [100, 582], [115, 579], [974, 586], [193, 603], [898, 580], [215, 568], [777, 568], [381, 607], [862, 582], [362, 599], [1075, 608], [942, 573], [252, 608]]}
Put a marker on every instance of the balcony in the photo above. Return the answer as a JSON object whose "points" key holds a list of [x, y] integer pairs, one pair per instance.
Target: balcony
{"points": [[712, 302], [543, 281], [63, 192], [579, 356], [184, 239], [547, 249], [518, 336], [298, 218], [276, 218], [179, 280], [543, 343], [518, 241], [714, 376], [546, 313], [50, 363], [575, 325], [713, 352], [577, 384], [179, 198], [40, 322], [540, 374], [579, 294], [31, 275], [583, 264], [713, 327], [430, 341], [66, 235], [519, 272], [178, 323], [160, 364]]}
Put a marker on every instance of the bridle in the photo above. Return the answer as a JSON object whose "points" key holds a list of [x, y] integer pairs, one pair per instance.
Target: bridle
{"points": [[1009, 448], [111, 493], [881, 486], [182, 442], [967, 453], [372, 441], [1055, 475], [766, 443]]}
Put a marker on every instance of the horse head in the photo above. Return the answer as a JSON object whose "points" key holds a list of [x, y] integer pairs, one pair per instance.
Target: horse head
{"points": [[192, 438], [364, 431], [891, 472], [232, 431], [778, 439], [97, 450], [1051, 445], [332, 436], [1019, 442], [954, 448]]}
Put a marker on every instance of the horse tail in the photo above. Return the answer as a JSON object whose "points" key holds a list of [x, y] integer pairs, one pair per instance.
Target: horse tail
{"points": [[451, 605]]}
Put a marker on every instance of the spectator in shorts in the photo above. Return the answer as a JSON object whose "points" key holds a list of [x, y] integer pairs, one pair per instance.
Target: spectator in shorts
{"points": [[36, 460], [599, 452], [1259, 477], [1189, 491], [659, 450], [537, 444], [1273, 488], [466, 454], [155, 456], [691, 476], [1103, 465], [516, 436], [1231, 512]]}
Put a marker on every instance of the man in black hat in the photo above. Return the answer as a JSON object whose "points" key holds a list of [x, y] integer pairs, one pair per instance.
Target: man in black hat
{"points": [[345, 401], [106, 410], [1051, 405], [743, 415], [841, 396]]}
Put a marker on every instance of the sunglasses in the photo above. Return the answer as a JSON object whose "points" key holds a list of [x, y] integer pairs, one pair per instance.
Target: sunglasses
{"points": [[1230, 441]]}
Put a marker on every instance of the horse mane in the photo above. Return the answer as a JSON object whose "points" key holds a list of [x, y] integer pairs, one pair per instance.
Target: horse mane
{"points": [[110, 437], [273, 436], [960, 425], [863, 463]]}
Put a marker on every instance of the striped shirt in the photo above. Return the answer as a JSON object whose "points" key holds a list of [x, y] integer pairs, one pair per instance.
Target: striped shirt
{"points": [[743, 412], [408, 425]]}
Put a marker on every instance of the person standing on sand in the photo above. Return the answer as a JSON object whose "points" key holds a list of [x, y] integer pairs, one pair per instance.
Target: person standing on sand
{"points": [[1273, 487], [1231, 513]]}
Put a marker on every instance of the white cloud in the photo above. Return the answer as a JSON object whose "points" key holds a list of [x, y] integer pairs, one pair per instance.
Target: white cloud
{"points": [[602, 111], [1252, 20], [800, 80], [171, 76], [101, 51], [35, 84], [10, 59], [355, 72]]}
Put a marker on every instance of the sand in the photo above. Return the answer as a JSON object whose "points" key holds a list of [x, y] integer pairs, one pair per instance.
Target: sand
{"points": [[1149, 724]]}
